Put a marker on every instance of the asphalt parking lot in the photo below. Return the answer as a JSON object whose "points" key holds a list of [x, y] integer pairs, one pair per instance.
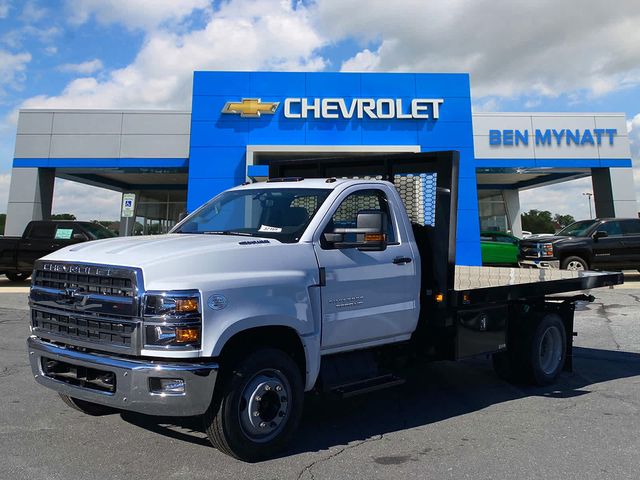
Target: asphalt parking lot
{"points": [[451, 420]]}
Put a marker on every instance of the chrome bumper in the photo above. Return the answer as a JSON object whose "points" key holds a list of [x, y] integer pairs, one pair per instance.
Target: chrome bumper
{"points": [[541, 263], [132, 386]]}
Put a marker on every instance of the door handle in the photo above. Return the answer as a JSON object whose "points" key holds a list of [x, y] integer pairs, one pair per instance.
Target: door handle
{"points": [[401, 260]]}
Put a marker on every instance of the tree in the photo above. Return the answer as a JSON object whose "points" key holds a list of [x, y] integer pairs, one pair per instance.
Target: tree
{"points": [[536, 221], [563, 220], [63, 216]]}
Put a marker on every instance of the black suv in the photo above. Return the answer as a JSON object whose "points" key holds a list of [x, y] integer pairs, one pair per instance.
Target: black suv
{"points": [[600, 244]]}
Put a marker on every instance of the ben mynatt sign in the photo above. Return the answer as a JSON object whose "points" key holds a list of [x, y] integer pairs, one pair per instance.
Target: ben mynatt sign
{"points": [[551, 136]]}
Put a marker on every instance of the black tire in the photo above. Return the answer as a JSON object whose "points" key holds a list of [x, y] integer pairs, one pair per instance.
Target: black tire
{"points": [[18, 276], [524, 362], [89, 408], [574, 263], [548, 350], [236, 430]]}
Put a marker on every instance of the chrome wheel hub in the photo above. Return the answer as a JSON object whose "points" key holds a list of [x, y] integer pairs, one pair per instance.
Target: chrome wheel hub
{"points": [[574, 265], [264, 406], [550, 350]]}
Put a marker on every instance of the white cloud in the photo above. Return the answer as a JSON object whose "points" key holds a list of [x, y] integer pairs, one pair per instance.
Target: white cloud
{"points": [[73, 197], [32, 12], [84, 68], [16, 38], [364, 61], [564, 199], [145, 14], [4, 8], [241, 35], [12, 69], [5, 180], [510, 48]]}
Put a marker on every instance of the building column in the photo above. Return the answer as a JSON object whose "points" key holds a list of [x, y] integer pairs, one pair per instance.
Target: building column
{"points": [[512, 207], [30, 198], [614, 193]]}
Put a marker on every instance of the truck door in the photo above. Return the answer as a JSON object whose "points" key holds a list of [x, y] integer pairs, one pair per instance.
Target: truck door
{"points": [[35, 243], [369, 297], [631, 242], [609, 251]]}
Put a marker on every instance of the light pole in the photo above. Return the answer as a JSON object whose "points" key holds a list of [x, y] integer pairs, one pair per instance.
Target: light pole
{"points": [[589, 194]]}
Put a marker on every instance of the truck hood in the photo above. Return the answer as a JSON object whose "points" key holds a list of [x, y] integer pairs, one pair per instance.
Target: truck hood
{"points": [[149, 250], [188, 260], [547, 239]]}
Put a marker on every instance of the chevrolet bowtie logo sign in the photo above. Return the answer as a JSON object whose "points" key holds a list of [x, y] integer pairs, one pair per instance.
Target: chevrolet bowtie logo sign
{"points": [[251, 107]]}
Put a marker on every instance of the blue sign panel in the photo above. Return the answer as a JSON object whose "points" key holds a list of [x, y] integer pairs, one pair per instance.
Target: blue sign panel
{"points": [[232, 110]]}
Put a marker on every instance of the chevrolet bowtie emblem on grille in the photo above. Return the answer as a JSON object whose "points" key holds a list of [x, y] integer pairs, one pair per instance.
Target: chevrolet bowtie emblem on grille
{"points": [[251, 107]]}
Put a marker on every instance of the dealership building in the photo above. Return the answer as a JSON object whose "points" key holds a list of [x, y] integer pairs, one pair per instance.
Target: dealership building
{"points": [[169, 162]]}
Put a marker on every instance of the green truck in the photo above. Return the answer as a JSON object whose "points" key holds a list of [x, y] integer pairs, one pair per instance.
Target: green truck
{"points": [[499, 248]]}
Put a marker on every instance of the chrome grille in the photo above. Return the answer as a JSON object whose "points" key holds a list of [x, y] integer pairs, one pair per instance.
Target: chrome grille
{"points": [[92, 306], [103, 285]]}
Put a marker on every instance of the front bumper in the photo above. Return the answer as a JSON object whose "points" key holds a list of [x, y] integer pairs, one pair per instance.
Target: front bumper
{"points": [[539, 263], [132, 380]]}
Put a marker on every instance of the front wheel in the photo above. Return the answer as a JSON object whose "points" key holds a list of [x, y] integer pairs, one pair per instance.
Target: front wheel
{"points": [[18, 276], [574, 263], [258, 408]]}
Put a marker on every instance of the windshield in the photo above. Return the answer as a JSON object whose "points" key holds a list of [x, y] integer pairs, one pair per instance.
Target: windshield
{"points": [[577, 229], [280, 213], [97, 231]]}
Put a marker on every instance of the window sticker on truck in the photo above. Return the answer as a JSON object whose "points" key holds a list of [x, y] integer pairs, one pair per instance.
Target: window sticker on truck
{"points": [[267, 228], [63, 233]]}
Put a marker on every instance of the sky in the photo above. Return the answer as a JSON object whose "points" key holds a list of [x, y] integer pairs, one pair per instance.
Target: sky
{"points": [[574, 56]]}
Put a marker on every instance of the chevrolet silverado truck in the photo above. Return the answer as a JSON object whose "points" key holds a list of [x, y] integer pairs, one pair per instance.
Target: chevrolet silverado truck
{"points": [[598, 244], [18, 254], [293, 285]]}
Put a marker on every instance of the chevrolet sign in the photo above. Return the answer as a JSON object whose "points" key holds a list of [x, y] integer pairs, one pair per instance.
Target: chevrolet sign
{"points": [[335, 108]]}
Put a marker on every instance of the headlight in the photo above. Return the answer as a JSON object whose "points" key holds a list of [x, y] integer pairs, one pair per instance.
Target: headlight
{"points": [[172, 319], [547, 249]]}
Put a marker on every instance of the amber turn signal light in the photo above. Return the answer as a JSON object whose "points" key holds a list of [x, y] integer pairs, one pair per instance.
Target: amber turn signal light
{"points": [[186, 305], [373, 237], [187, 335]]}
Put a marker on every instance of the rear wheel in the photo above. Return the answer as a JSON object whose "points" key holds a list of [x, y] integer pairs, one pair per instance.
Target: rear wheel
{"points": [[89, 408], [575, 264], [548, 350], [540, 355], [18, 276], [258, 408]]}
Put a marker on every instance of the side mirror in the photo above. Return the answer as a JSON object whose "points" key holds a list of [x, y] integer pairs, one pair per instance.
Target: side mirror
{"points": [[80, 236], [600, 234], [370, 232]]}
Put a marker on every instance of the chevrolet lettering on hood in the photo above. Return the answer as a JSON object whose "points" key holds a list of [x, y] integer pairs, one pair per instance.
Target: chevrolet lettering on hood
{"points": [[78, 269]]}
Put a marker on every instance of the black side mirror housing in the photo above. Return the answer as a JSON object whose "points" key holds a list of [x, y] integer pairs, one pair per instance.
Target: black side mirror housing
{"points": [[600, 234]]}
